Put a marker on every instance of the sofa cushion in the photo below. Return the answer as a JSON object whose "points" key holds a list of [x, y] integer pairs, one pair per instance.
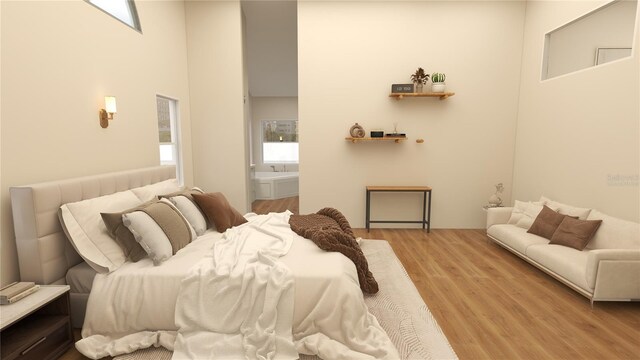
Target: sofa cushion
{"points": [[515, 237], [580, 213], [575, 233], [614, 233], [530, 214], [546, 223], [567, 262]]}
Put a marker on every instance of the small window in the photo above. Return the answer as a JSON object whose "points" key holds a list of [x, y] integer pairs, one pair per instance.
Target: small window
{"points": [[168, 134], [280, 141], [123, 10]]}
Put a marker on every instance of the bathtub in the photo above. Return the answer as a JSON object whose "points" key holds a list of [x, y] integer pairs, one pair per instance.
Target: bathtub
{"points": [[276, 185]]}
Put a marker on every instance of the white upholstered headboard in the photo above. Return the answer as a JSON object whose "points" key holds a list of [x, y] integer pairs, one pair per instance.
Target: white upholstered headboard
{"points": [[44, 253]]}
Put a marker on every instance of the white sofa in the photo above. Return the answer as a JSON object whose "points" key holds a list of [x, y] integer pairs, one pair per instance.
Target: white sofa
{"points": [[608, 269]]}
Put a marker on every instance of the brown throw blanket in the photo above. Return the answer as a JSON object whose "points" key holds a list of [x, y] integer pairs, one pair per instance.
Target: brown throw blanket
{"points": [[330, 230]]}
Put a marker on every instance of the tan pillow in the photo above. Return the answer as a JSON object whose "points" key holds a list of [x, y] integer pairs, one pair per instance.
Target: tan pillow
{"points": [[186, 193], [121, 234], [219, 211], [575, 233], [546, 223]]}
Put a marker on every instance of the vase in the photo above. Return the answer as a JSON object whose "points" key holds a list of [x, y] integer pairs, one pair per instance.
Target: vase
{"points": [[419, 87], [438, 87]]}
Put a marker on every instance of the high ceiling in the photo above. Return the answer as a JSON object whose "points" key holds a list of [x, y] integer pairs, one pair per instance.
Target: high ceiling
{"points": [[272, 47]]}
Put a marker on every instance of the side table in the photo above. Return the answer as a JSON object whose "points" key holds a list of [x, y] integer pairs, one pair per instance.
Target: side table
{"points": [[38, 326]]}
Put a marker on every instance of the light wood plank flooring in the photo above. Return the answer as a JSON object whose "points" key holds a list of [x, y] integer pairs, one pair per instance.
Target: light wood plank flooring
{"points": [[266, 206], [492, 305]]}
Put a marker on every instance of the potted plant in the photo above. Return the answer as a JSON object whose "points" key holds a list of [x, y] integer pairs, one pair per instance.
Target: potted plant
{"points": [[419, 78], [438, 85]]}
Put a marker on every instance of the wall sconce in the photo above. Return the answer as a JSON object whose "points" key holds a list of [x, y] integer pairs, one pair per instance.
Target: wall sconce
{"points": [[106, 114]]}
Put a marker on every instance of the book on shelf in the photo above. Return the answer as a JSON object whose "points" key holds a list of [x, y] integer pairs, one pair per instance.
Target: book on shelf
{"points": [[16, 291]]}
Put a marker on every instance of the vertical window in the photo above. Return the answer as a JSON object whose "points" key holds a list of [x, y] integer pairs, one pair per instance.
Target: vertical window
{"points": [[168, 134], [280, 141], [123, 10]]}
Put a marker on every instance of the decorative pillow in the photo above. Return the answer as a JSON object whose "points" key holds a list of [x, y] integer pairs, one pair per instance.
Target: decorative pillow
{"points": [[528, 216], [517, 212], [614, 233], [580, 213], [160, 229], [82, 223], [575, 233], [218, 211], [546, 223], [188, 207], [121, 234], [150, 192]]}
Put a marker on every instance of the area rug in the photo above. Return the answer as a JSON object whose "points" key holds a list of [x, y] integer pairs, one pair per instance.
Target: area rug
{"points": [[397, 306]]}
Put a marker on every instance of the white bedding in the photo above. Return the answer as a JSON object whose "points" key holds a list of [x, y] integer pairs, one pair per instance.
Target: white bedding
{"points": [[125, 304]]}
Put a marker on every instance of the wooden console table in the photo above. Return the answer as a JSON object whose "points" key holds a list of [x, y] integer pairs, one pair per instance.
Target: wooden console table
{"points": [[426, 205]]}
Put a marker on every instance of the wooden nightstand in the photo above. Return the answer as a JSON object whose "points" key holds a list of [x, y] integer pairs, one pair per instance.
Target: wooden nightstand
{"points": [[38, 326]]}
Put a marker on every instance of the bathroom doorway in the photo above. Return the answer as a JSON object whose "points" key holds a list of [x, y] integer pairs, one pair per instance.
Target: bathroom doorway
{"points": [[272, 63]]}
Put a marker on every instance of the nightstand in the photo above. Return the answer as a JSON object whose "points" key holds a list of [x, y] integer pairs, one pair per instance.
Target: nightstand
{"points": [[38, 326]]}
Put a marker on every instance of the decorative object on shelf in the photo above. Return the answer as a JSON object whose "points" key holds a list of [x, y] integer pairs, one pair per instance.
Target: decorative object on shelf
{"points": [[357, 131], [419, 78], [438, 85], [395, 132], [377, 133], [495, 200], [402, 88]]}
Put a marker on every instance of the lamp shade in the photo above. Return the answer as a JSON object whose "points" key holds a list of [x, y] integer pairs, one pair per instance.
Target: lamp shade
{"points": [[110, 104]]}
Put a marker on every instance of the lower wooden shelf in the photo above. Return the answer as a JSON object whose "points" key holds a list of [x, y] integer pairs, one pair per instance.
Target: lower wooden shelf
{"points": [[442, 95], [364, 139]]}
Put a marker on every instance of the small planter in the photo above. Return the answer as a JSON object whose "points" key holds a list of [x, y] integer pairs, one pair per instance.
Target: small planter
{"points": [[438, 87]]}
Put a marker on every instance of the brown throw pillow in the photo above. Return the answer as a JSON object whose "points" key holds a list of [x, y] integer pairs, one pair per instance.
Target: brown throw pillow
{"points": [[123, 237], [575, 233], [546, 223], [217, 209]]}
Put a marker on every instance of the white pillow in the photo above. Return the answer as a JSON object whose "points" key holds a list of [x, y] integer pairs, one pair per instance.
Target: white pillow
{"points": [[150, 192], [529, 215], [517, 211], [614, 233], [82, 223], [191, 212], [564, 209], [149, 235]]}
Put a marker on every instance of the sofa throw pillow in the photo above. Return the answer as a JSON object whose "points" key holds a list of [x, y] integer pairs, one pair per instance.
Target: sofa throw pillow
{"points": [[219, 211], [580, 213], [575, 233], [160, 229], [150, 192], [183, 200], [546, 223], [517, 212], [529, 215], [121, 234]]}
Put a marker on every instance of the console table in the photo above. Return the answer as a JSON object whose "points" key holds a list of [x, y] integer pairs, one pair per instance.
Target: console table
{"points": [[426, 205]]}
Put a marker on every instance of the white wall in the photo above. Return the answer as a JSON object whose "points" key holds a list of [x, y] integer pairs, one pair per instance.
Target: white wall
{"points": [[576, 142], [216, 84], [349, 55], [59, 60], [270, 108], [573, 47]]}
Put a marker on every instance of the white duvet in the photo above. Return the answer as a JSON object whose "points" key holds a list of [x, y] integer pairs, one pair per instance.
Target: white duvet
{"points": [[259, 291]]}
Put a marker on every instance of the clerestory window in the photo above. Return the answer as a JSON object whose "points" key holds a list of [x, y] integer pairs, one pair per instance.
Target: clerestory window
{"points": [[123, 10]]}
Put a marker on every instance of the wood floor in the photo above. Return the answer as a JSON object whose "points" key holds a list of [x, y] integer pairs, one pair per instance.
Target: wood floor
{"points": [[491, 304], [280, 205]]}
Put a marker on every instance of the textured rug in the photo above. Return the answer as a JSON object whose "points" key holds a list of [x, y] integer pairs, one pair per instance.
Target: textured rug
{"points": [[397, 306]]}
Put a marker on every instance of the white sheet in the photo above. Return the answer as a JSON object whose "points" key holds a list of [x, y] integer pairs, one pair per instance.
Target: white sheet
{"points": [[118, 321]]}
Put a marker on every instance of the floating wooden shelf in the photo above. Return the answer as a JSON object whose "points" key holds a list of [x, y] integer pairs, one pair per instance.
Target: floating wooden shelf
{"points": [[386, 138], [442, 95]]}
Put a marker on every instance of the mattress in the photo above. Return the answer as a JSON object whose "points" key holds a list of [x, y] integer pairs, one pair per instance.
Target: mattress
{"points": [[80, 278]]}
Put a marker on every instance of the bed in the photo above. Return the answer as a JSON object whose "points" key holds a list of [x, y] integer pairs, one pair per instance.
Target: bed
{"points": [[143, 312]]}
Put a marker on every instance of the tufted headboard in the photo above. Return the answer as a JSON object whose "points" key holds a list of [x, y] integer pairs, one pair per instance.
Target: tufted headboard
{"points": [[44, 253]]}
